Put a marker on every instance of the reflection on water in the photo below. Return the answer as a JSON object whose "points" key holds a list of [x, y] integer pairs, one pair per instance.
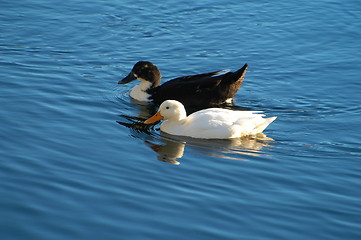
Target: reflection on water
{"points": [[168, 152], [171, 148], [145, 109]]}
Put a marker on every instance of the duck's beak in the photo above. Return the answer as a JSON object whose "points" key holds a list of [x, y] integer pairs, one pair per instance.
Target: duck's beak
{"points": [[129, 78], [154, 118]]}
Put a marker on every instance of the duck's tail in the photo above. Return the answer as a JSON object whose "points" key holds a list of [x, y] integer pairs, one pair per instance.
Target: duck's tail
{"points": [[259, 128], [240, 73], [233, 81]]}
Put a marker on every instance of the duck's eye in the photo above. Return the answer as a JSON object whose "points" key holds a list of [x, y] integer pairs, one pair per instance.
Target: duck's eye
{"points": [[166, 107]]}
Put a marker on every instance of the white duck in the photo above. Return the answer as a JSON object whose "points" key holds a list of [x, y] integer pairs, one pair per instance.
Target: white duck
{"points": [[211, 123]]}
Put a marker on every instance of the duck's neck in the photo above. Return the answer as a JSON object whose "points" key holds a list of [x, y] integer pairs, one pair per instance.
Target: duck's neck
{"points": [[174, 126], [180, 117], [139, 92]]}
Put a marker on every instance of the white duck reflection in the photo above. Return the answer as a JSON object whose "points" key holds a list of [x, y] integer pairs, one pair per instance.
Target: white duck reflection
{"points": [[171, 148], [168, 152]]}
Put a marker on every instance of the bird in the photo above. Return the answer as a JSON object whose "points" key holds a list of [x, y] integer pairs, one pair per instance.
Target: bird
{"points": [[194, 92], [210, 123]]}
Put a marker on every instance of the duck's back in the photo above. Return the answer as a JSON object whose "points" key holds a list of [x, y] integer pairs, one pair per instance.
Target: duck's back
{"points": [[200, 91], [191, 91], [222, 123]]}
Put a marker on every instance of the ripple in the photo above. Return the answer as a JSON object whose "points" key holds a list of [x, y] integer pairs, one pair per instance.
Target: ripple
{"points": [[70, 171]]}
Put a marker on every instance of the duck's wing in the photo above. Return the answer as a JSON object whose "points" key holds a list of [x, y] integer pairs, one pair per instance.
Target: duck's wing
{"points": [[196, 77], [196, 90], [201, 90]]}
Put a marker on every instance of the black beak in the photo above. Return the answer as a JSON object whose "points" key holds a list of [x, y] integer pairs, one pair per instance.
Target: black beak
{"points": [[127, 79]]}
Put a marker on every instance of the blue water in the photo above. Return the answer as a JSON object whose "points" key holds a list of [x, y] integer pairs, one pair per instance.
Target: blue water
{"points": [[69, 170]]}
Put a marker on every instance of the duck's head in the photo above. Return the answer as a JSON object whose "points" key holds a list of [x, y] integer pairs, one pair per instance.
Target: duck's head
{"points": [[143, 71], [169, 109]]}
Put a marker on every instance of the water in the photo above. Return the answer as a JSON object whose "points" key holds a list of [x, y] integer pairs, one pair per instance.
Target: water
{"points": [[69, 170]]}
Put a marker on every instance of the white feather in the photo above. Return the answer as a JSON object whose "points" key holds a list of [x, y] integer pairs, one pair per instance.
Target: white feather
{"points": [[139, 91], [210, 123]]}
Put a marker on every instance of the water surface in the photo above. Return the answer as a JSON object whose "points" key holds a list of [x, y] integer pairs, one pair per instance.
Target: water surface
{"points": [[69, 170]]}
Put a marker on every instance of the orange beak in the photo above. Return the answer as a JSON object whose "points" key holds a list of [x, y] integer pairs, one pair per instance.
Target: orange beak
{"points": [[154, 118]]}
